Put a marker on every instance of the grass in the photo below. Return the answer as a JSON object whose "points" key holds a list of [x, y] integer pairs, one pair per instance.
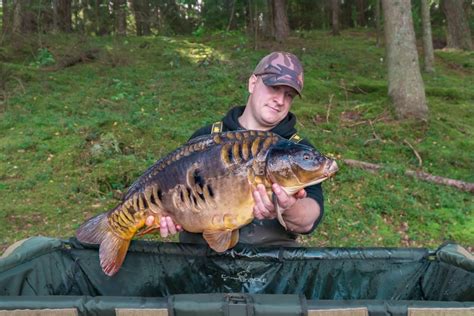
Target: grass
{"points": [[73, 139]]}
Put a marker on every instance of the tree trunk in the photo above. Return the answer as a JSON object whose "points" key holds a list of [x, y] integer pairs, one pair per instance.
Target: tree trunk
{"points": [[141, 10], [268, 19], [458, 33], [30, 16], [249, 18], [6, 17], [146, 17], [346, 20], [16, 16], [252, 24], [77, 8], [138, 17], [22, 18], [280, 20], [361, 6], [405, 85], [231, 17], [63, 15], [170, 16], [120, 7], [102, 17], [378, 22], [335, 9], [55, 16], [427, 39]]}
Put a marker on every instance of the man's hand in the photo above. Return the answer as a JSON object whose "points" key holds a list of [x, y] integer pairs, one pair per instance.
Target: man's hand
{"points": [[264, 208], [167, 226]]}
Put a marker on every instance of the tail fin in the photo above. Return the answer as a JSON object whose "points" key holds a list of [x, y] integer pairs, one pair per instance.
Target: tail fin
{"points": [[113, 248]]}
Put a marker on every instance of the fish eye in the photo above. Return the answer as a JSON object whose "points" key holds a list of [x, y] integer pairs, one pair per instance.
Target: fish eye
{"points": [[306, 156]]}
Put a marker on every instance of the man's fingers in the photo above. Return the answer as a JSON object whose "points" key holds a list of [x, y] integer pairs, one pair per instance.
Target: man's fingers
{"points": [[301, 194], [171, 226], [168, 227], [267, 203], [163, 227], [150, 220], [263, 207], [284, 200], [259, 208]]}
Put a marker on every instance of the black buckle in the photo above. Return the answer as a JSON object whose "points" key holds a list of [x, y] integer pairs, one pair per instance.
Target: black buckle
{"points": [[238, 304]]}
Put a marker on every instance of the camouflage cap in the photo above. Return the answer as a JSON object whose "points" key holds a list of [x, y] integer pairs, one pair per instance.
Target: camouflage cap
{"points": [[281, 68]]}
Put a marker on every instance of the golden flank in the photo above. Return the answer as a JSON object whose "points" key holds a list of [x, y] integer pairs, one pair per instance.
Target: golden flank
{"points": [[206, 187]]}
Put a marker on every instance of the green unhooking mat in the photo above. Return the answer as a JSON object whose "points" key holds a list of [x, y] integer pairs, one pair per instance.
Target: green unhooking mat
{"points": [[64, 277]]}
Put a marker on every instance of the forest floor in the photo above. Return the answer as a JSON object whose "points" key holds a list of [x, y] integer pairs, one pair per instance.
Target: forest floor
{"points": [[82, 117]]}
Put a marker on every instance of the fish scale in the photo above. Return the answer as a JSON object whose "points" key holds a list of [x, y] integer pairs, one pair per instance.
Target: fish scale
{"points": [[206, 187]]}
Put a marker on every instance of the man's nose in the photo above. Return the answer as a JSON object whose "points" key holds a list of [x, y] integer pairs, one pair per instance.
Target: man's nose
{"points": [[279, 97]]}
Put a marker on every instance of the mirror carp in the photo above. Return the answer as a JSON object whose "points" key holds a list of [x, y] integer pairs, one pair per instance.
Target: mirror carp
{"points": [[206, 187]]}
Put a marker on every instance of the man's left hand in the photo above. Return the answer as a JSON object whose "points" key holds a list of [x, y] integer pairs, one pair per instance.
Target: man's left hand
{"points": [[264, 208]]}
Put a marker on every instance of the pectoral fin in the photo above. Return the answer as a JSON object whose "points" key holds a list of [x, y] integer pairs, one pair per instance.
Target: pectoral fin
{"points": [[154, 227], [278, 210], [234, 239], [220, 240]]}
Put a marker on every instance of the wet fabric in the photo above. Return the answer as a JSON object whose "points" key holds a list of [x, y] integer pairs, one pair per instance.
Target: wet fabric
{"points": [[48, 267], [185, 279]]}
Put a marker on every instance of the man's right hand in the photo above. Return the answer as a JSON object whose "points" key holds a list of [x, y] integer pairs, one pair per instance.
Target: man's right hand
{"points": [[167, 226]]}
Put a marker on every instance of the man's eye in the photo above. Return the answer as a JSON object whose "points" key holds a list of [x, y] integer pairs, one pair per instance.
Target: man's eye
{"points": [[290, 95]]}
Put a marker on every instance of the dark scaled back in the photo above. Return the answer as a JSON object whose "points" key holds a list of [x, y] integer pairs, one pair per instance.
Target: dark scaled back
{"points": [[239, 147]]}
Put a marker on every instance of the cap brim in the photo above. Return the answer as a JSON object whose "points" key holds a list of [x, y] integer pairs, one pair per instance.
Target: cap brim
{"points": [[270, 80]]}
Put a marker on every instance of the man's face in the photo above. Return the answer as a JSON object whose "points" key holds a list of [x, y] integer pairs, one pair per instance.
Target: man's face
{"points": [[269, 104]]}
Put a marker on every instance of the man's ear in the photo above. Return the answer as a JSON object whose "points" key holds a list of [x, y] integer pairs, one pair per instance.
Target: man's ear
{"points": [[252, 82]]}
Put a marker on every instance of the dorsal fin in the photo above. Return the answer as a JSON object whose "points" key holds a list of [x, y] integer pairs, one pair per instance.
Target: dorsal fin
{"points": [[198, 144]]}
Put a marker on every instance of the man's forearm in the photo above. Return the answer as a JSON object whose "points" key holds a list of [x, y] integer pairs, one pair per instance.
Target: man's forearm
{"points": [[301, 216]]}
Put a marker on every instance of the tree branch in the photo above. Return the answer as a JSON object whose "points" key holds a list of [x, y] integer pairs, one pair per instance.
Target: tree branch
{"points": [[329, 108], [420, 161], [371, 167]]}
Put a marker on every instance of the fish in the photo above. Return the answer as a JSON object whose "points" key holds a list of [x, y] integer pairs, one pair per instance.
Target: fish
{"points": [[206, 186]]}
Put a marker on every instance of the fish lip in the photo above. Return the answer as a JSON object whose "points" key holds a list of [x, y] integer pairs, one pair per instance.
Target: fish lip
{"points": [[331, 169]]}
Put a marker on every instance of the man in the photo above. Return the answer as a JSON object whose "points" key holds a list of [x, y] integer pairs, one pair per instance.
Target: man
{"points": [[276, 80]]}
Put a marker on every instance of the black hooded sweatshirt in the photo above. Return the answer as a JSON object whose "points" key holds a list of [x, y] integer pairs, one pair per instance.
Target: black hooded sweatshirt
{"points": [[268, 231]]}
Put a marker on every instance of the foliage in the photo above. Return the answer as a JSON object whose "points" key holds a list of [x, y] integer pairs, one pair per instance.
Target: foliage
{"points": [[215, 14], [43, 58], [170, 17], [73, 140]]}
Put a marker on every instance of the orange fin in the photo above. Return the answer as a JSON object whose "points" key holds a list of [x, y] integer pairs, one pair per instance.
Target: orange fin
{"points": [[112, 253], [94, 230], [155, 226], [112, 247], [218, 240], [234, 239]]}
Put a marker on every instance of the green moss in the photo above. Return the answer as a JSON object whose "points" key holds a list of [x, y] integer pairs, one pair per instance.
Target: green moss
{"points": [[73, 140]]}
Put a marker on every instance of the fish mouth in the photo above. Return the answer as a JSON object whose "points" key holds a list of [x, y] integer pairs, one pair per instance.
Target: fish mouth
{"points": [[331, 169]]}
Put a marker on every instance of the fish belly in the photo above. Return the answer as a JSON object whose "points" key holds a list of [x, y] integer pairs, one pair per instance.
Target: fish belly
{"points": [[207, 198]]}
